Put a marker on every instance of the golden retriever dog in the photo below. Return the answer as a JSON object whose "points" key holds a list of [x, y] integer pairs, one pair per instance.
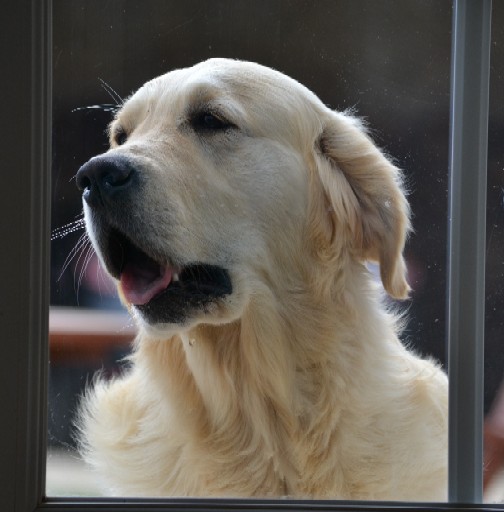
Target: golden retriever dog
{"points": [[237, 214]]}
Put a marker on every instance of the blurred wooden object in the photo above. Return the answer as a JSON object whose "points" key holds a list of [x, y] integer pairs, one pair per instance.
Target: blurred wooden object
{"points": [[87, 335]]}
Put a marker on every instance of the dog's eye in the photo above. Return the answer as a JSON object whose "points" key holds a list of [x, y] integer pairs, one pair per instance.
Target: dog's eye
{"points": [[120, 136], [209, 122]]}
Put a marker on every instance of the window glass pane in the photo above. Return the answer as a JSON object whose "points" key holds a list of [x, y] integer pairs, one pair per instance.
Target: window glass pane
{"points": [[389, 61], [494, 329]]}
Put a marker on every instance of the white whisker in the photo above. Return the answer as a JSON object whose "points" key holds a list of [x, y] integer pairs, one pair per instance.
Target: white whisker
{"points": [[82, 242], [87, 258], [82, 254], [66, 229]]}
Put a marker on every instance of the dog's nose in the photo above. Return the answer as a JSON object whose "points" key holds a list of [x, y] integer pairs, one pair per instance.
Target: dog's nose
{"points": [[104, 178]]}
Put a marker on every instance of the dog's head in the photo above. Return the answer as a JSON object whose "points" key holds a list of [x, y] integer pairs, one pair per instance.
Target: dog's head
{"points": [[229, 173]]}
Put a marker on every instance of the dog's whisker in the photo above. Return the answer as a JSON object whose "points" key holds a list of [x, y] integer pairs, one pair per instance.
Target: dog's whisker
{"points": [[106, 107], [99, 278], [89, 255], [71, 255], [112, 93], [77, 268], [79, 251], [66, 229], [81, 243]]}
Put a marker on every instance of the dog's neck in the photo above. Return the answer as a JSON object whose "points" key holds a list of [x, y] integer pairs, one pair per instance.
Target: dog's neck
{"points": [[255, 384]]}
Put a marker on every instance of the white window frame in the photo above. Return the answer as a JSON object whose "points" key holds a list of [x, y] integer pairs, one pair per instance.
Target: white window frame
{"points": [[25, 135]]}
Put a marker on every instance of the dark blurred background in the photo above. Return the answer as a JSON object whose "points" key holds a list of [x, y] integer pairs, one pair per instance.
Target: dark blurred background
{"points": [[390, 60]]}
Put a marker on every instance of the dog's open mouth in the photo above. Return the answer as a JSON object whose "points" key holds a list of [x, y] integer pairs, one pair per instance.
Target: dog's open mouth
{"points": [[163, 292]]}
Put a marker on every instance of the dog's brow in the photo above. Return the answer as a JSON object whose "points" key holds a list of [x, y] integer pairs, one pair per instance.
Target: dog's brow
{"points": [[203, 92], [205, 96]]}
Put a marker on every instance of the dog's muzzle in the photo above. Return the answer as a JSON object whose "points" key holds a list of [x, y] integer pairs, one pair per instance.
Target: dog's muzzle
{"points": [[160, 290]]}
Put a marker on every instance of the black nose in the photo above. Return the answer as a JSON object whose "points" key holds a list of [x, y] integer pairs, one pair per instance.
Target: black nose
{"points": [[104, 179]]}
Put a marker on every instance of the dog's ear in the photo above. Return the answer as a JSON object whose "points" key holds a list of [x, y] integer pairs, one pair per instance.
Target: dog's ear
{"points": [[366, 198]]}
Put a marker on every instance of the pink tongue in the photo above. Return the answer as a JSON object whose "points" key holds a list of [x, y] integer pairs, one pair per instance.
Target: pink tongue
{"points": [[140, 285]]}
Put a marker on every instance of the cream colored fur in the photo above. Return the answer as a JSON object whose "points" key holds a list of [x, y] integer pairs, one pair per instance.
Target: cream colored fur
{"points": [[297, 385]]}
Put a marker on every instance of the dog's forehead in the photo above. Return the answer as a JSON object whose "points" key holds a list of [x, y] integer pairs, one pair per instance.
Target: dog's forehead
{"points": [[222, 78], [229, 75], [261, 100]]}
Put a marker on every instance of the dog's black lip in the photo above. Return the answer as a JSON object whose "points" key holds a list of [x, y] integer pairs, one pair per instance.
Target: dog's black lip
{"points": [[199, 284], [200, 279]]}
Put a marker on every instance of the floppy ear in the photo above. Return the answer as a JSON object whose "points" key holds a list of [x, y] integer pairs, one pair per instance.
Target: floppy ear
{"points": [[365, 193]]}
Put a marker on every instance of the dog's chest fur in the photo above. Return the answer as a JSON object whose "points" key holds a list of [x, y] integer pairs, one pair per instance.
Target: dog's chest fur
{"points": [[234, 420]]}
